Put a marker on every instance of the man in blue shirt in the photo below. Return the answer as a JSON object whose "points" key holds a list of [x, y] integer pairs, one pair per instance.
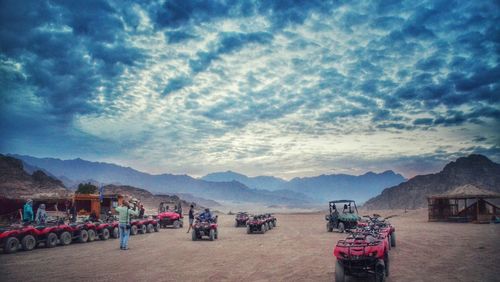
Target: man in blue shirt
{"points": [[206, 215]]}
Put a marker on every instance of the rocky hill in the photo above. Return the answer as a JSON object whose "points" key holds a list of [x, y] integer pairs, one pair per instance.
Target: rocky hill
{"points": [[16, 183], [477, 170]]}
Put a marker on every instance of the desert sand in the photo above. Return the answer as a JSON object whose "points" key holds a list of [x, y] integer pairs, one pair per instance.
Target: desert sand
{"points": [[299, 249]]}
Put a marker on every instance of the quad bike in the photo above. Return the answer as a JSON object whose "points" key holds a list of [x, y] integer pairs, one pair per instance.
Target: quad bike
{"points": [[205, 228], [383, 226], [138, 226], [271, 221], [342, 220], [31, 236], [362, 254], [151, 224], [241, 219], [102, 230], [257, 224], [81, 232], [9, 241]]}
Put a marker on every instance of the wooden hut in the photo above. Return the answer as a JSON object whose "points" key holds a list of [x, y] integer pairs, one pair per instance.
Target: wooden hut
{"points": [[466, 203], [86, 204]]}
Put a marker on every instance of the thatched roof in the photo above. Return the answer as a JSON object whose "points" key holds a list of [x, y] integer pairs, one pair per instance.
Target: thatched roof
{"points": [[467, 191]]}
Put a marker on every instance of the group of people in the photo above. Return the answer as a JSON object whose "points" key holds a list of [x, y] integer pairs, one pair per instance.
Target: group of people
{"points": [[125, 211], [28, 216]]}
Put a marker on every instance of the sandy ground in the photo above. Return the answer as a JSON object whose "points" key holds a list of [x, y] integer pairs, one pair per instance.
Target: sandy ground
{"points": [[299, 249]]}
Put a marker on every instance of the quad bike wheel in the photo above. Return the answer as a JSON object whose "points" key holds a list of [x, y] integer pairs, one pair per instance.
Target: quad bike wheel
{"points": [[133, 230], [150, 228], [263, 228], [329, 227], [270, 225], [84, 236], [157, 228], [182, 224], [104, 234], [380, 271], [211, 235], [116, 232], [249, 230], [177, 224], [143, 229], [91, 233], [28, 242], [51, 240], [393, 239], [11, 245], [194, 236], [274, 223], [386, 263], [216, 234], [339, 272], [341, 227], [389, 242], [65, 238]]}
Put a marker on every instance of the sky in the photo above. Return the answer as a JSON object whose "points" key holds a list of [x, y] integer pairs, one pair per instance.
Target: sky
{"points": [[283, 88]]}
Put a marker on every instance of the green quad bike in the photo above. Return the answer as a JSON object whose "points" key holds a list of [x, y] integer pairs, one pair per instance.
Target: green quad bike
{"points": [[343, 215]]}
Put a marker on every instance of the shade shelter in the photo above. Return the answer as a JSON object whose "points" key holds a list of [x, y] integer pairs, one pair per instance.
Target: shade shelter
{"points": [[466, 203]]}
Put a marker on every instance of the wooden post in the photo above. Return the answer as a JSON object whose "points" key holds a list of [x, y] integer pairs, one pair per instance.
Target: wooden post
{"points": [[477, 210], [466, 210]]}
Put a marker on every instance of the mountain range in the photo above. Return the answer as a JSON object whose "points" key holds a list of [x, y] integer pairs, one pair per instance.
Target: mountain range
{"points": [[319, 188], [477, 170], [225, 186]]}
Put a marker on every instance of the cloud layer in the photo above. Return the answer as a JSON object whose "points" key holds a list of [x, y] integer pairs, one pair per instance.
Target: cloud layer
{"points": [[289, 88]]}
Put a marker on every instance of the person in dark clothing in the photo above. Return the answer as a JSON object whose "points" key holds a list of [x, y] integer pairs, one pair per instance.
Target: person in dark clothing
{"points": [[93, 217], [141, 212], [191, 217], [73, 213]]}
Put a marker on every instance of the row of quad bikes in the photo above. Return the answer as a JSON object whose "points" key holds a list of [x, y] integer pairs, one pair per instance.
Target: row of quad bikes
{"points": [[256, 223], [56, 232], [365, 251]]}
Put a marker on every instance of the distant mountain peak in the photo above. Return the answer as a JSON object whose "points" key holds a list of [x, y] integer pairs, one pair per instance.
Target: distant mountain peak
{"points": [[474, 169]]}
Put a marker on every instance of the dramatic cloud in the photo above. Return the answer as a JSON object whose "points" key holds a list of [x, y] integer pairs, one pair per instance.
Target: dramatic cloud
{"points": [[289, 88]]}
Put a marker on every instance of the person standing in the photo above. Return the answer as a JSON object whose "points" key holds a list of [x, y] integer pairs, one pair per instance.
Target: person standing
{"points": [[28, 211], [191, 217], [124, 212], [41, 215]]}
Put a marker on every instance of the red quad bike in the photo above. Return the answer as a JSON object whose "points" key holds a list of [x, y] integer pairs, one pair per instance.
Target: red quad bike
{"points": [[144, 225], [205, 228], [257, 224], [271, 221], [362, 254], [152, 225], [241, 219], [81, 232], [9, 241], [114, 229], [31, 236], [382, 226], [138, 226], [102, 230]]}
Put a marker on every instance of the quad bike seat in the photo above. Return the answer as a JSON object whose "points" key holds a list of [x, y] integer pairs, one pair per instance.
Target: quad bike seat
{"points": [[40, 227]]}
